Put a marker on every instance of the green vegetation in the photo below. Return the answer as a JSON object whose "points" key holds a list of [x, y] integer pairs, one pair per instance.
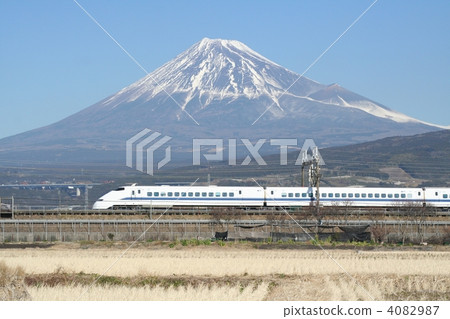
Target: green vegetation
{"points": [[190, 242]]}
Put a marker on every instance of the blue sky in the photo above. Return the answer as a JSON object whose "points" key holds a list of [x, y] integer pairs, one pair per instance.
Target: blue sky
{"points": [[55, 61]]}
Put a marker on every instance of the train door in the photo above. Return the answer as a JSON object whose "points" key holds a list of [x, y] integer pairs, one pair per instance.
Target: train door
{"points": [[432, 197], [265, 197], [133, 194], [436, 195]]}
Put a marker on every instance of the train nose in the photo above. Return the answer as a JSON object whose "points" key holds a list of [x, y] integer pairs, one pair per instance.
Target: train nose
{"points": [[99, 205]]}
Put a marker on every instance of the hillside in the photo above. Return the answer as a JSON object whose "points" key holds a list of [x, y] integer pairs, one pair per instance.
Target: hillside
{"points": [[418, 160], [215, 89]]}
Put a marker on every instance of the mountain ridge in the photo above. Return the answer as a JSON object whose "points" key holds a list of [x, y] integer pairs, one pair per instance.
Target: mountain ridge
{"points": [[217, 89]]}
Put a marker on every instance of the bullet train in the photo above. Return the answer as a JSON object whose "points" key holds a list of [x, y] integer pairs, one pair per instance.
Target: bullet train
{"points": [[135, 196]]}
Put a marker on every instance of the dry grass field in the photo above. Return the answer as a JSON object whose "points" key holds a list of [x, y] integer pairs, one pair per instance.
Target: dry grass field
{"points": [[230, 272]]}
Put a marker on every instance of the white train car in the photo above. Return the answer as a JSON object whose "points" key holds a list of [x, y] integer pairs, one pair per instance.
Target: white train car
{"points": [[168, 196], [242, 196], [437, 197], [343, 196]]}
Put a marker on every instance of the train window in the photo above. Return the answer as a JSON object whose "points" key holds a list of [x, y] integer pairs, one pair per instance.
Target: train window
{"points": [[444, 196], [163, 194], [409, 195], [363, 195], [132, 192], [403, 195], [383, 195], [197, 194], [217, 194], [357, 195], [183, 194], [240, 193], [390, 195], [149, 194], [190, 194], [291, 194], [330, 195], [211, 194], [434, 193], [397, 195], [156, 194], [204, 194], [344, 195], [224, 194], [370, 195], [337, 195], [350, 195], [324, 195], [419, 193], [271, 193], [310, 195], [303, 194], [120, 189], [377, 195], [139, 191], [231, 194], [170, 194], [283, 194], [177, 194]]}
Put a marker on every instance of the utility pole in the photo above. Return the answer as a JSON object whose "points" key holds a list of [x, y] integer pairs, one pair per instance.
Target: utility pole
{"points": [[314, 175], [86, 197], [59, 200], [12, 207], [303, 174]]}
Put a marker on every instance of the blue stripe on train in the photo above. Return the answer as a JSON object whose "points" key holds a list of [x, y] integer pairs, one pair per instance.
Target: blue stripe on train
{"points": [[402, 200], [192, 198], [300, 200]]}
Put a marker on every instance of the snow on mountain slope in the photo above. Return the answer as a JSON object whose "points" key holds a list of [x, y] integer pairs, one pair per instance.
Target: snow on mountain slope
{"points": [[227, 70], [215, 69], [337, 95], [224, 86]]}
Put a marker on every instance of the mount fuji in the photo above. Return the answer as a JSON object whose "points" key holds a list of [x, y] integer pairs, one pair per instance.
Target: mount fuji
{"points": [[215, 89]]}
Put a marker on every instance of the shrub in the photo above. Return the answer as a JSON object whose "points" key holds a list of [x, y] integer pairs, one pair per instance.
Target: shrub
{"points": [[12, 286]]}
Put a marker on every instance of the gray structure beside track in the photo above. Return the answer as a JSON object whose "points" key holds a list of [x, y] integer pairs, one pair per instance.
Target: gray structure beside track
{"points": [[36, 230]]}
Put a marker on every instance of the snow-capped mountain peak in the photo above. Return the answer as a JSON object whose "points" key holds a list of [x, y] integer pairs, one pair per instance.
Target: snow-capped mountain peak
{"points": [[223, 71], [224, 86], [216, 69]]}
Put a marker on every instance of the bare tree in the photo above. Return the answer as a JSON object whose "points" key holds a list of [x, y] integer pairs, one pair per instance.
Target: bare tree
{"points": [[411, 214]]}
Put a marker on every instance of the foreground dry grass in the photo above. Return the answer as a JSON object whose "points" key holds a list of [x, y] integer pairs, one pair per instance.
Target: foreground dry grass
{"points": [[220, 261], [231, 273], [105, 293], [12, 286], [277, 287]]}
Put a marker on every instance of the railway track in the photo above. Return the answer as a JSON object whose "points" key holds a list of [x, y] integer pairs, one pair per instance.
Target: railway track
{"points": [[237, 223], [224, 213]]}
